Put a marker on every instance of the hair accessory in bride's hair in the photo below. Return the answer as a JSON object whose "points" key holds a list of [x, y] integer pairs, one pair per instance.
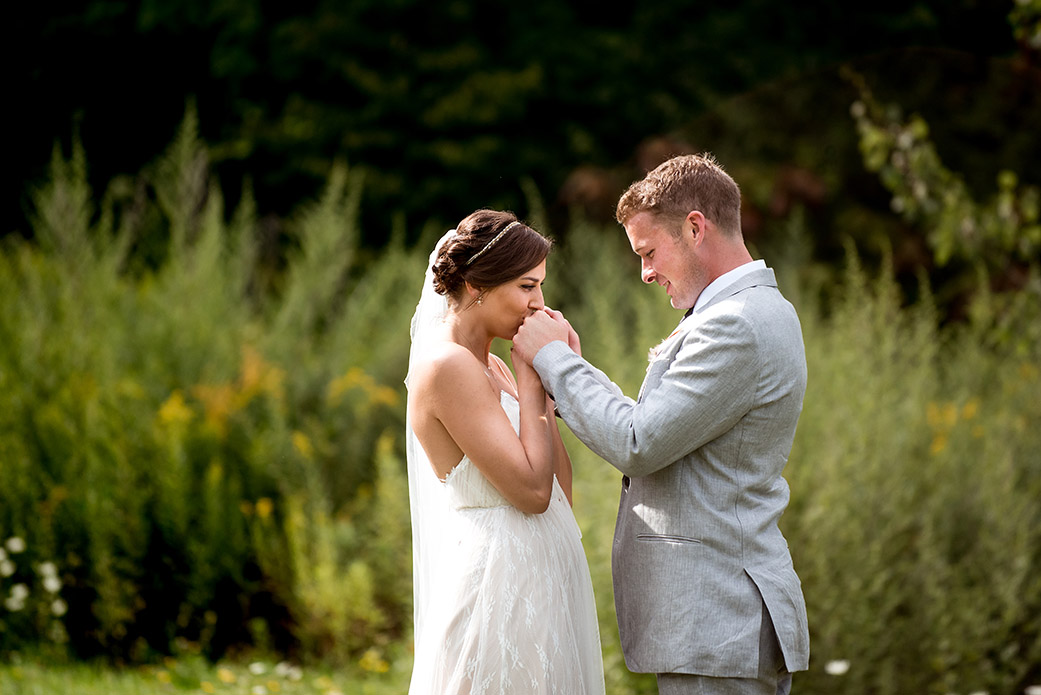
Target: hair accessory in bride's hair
{"points": [[492, 242]]}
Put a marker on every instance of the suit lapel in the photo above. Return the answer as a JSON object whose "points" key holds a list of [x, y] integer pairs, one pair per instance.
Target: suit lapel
{"points": [[762, 277]]}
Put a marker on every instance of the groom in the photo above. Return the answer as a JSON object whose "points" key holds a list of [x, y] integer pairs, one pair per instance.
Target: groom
{"points": [[705, 591]]}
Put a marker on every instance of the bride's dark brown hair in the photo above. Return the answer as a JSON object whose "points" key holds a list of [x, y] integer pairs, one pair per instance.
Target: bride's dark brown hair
{"points": [[520, 249]]}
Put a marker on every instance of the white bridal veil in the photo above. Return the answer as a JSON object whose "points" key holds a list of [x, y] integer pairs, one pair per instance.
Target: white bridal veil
{"points": [[427, 495]]}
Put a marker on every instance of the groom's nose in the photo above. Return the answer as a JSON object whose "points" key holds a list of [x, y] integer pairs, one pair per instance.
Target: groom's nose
{"points": [[647, 273]]}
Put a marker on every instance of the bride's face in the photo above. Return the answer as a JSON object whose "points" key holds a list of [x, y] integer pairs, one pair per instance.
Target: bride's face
{"points": [[507, 305]]}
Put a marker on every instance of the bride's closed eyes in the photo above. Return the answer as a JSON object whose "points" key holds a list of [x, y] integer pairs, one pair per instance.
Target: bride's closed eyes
{"points": [[530, 283]]}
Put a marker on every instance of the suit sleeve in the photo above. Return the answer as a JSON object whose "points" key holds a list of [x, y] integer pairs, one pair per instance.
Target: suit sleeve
{"points": [[704, 392]]}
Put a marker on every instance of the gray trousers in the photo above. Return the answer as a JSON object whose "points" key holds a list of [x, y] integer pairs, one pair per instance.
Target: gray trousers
{"points": [[773, 678]]}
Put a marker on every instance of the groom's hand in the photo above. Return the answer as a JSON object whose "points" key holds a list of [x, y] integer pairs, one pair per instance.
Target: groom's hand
{"points": [[537, 331]]}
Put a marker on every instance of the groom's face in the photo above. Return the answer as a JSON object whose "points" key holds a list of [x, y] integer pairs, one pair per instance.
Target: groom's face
{"points": [[668, 258]]}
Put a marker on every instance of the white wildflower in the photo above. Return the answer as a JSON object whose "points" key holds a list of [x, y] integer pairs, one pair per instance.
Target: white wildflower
{"points": [[14, 605], [59, 607], [52, 584], [48, 569], [6, 568], [3, 554], [1032, 690], [15, 544], [837, 667], [920, 190], [258, 690], [20, 592], [857, 109], [257, 668], [288, 671]]}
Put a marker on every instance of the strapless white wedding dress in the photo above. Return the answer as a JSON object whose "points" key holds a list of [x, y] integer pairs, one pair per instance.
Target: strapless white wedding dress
{"points": [[517, 614]]}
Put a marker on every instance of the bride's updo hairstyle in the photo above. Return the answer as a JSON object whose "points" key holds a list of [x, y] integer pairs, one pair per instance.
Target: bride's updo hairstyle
{"points": [[488, 249]]}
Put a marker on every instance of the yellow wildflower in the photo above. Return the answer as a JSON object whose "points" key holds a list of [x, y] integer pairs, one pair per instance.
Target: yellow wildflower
{"points": [[253, 367], [207, 687], [970, 409], [374, 662], [264, 507], [354, 378], [302, 443], [174, 411], [218, 402], [384, 395], [226, 675]]}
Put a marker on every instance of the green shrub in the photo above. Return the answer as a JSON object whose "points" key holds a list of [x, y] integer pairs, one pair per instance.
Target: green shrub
{"points": [[163, 418]]}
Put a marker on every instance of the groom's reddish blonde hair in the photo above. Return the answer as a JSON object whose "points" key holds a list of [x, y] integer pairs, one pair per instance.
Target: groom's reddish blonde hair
{"points": [[681, 185]]}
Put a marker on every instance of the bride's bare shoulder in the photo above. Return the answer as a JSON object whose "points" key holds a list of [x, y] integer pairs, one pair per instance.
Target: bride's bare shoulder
{"points": [[447, 364]]}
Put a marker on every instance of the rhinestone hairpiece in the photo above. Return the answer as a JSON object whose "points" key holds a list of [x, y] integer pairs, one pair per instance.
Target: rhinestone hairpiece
{"points": [[492, 242]]}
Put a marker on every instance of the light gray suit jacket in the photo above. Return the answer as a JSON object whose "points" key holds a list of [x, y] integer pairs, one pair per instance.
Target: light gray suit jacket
{"points": [[697, 550]]}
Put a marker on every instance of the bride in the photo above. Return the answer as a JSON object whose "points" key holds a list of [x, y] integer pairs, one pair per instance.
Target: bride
{"points": [[503, 597]]}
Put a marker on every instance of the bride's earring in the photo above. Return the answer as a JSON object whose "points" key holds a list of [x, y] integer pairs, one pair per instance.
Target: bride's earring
{"points": [[480, 300]]}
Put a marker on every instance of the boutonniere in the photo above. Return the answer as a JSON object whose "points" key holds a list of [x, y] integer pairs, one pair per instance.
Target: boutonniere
{"points": [[653, 353]]}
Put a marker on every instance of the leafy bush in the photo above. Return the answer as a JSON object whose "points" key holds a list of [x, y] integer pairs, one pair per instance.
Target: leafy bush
{"points": [[178, 440]]}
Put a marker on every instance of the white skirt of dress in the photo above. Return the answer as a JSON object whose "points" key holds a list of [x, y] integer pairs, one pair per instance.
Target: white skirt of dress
{"points": [[518, 613]]}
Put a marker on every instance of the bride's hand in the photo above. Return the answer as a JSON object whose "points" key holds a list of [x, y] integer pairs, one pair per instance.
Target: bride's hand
{"points": [[573, 341]]}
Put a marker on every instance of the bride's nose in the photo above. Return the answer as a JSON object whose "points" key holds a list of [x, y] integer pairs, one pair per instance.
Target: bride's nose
{"points": [[537, 301]]}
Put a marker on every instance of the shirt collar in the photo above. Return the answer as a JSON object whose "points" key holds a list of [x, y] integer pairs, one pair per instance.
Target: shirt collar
{"points": [[717, 285]]}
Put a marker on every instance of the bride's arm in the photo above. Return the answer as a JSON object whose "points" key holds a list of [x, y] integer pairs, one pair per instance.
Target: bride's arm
{"points": [[521, 468], [528, 378], [561, 459]]}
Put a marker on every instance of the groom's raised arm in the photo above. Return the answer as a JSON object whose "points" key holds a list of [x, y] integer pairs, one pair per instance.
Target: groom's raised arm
{"points": [[548, 326], [704, 392]]}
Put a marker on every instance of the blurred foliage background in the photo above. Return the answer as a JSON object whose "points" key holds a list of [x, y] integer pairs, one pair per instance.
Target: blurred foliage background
{"points": [[215, 241]]}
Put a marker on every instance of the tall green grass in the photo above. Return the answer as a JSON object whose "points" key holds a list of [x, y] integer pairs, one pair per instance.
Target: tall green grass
{"points": [[210, 453]]}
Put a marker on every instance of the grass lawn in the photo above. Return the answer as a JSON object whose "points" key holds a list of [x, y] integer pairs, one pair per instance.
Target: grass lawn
{"points": [[195, 675]]}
